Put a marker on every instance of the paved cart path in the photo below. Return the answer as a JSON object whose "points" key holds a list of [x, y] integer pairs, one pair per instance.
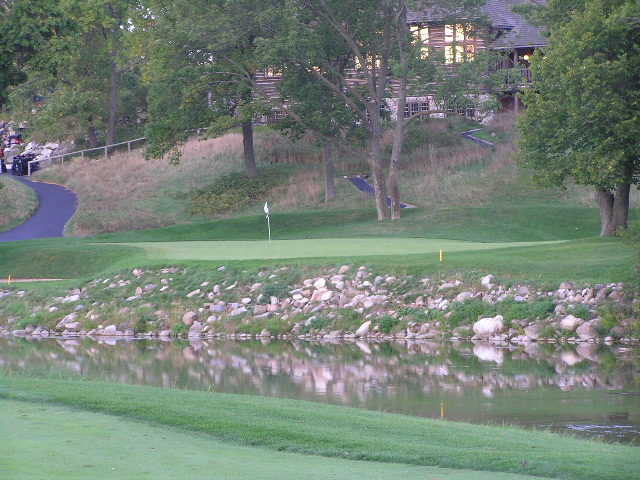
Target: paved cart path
{"points": [[57, 206]]}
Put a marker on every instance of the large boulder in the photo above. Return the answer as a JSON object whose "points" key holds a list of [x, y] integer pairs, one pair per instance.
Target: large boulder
{"points": [[363, 330], [569, 323], [587, 330], [487, 327], [189, 318]]}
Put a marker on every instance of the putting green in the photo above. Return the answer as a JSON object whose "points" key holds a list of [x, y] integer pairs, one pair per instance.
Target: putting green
{"points": [[316, 247]]}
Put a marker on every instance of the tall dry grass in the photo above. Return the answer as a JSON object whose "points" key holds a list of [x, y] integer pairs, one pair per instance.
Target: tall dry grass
{"points": [[128, 192]]}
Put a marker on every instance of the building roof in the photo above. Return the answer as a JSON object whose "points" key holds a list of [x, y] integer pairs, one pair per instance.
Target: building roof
{"points": [[514, 31]]}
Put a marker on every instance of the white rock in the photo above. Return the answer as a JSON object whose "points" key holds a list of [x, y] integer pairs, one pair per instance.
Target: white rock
{"points": [[363, 330], [569, 323], [488, 327]]}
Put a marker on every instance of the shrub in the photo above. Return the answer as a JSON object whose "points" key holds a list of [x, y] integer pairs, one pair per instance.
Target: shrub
{"points": [[179, 329], [580, 310], [275, 290], [468, 312], [234, 192], [387, 323]]}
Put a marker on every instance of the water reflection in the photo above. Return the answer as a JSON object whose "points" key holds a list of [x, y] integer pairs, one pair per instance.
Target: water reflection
{"points": [[586, 389]]}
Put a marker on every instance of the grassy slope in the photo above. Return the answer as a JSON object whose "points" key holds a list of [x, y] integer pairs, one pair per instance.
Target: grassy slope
{"points": [[331, 431], [160, 452], [17, 202]]}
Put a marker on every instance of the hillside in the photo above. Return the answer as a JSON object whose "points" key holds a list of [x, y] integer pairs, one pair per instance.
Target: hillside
{"points": [[442, 174]]}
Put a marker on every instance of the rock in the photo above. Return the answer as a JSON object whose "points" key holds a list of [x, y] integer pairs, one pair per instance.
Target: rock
{"points": [[566, 286], [588, 329], [195, 330], [71, 298], [238, 311], [138, 291], [129, 332], [320, 283], [265, 333], [447, 285], [569, 323], [193, 294], [245, 301], [110, 331], [344, 269], [363, 330], [73, 326], [531, 331], [260, 309], [488, 327], [189, 318], [461, 297]]}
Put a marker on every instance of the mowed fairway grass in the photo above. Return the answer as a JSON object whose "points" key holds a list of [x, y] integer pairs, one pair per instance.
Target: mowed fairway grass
{"points": [[74, 444], [56, 428]]}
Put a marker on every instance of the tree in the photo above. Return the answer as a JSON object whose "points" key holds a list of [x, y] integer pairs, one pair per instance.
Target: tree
{"points": [[315, 37], [86, 76], [27, 29], [205, 51], [582, 120]]}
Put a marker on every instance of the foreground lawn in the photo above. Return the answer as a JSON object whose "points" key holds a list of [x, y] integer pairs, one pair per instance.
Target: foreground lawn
{"points": [[72, 443], [330, 431]]}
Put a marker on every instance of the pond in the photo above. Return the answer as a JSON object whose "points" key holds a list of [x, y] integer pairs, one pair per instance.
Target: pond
{"points": [[587, 390]]}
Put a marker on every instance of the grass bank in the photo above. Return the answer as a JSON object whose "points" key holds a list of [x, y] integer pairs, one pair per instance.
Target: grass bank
{"points": [[17, 202], [337, 432], [160, 453]]}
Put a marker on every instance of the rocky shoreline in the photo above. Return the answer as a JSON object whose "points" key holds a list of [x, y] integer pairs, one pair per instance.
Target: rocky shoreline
{"points": [[343, 303]]}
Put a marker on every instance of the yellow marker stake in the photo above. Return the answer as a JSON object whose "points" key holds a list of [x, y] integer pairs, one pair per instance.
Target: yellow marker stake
{"points": [[440, 255], [9, 279], [442, 410]]}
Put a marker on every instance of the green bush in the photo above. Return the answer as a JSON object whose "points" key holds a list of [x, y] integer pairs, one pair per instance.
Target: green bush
{"points": [[467, 312], [234, 192], [387, 323], [275, 290], [179, 329], [580, 310]]}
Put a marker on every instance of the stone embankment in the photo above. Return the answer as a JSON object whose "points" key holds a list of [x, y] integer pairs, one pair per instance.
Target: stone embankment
{"points": [[348, 302]]}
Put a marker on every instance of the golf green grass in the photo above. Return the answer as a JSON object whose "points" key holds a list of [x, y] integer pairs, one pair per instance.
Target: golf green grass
{"points": [[315, 247], [56, 442]]}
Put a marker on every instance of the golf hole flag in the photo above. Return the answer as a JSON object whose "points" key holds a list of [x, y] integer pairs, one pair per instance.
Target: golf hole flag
{"points": [[266, 210]]}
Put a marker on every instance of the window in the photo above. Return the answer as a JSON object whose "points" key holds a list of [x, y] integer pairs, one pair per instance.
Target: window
{"points": [[412, 108], [459, 43], [421, 34]]}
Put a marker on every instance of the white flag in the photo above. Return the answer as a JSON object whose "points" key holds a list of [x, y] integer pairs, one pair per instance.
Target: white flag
{"points": [[266, 208]]}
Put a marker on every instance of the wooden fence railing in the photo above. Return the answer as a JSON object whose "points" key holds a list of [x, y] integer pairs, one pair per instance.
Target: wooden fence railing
{"points": [[82, 152]]}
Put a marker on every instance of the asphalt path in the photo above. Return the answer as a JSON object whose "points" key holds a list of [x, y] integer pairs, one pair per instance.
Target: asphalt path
{"points": [[57, 206]]}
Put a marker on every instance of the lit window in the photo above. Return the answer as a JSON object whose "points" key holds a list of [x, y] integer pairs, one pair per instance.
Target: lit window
{"points": [[459, 43]]}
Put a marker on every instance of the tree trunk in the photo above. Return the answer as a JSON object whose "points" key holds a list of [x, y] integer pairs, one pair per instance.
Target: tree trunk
{"points": [[620, 213], [605, 201], [330, 187], [377, 166], [399, 130], [113, 99], [249, 152], [92, 134]]}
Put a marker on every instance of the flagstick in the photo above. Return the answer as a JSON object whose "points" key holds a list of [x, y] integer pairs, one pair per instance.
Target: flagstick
{"points": [[266, 210], [269, 225]]}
